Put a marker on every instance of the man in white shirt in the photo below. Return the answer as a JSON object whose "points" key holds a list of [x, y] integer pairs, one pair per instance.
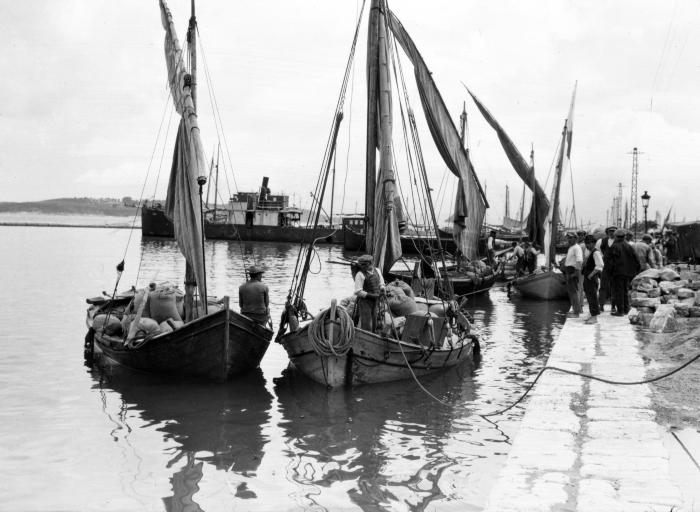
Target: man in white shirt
{"points": [[571, 267], [491, 248]]}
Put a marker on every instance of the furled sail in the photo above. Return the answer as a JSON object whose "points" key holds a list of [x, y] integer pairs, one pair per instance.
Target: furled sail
{"points": [[553, 214], [540, 204], [182, 202], [470, 203], [386, 240]]}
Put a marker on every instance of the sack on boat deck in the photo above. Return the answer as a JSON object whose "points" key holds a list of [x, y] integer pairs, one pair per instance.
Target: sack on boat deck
{"points": [[162, 304], [405, 287], [110, 326], [402, 305], [165, 327], [147, 326], [348, 304]]}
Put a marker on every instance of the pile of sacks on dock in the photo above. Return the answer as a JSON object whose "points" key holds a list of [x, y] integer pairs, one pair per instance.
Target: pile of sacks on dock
{"points": [[659, 296]]}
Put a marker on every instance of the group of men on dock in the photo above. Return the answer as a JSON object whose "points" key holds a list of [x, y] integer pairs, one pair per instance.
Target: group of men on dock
{"points": [[603, 269]]}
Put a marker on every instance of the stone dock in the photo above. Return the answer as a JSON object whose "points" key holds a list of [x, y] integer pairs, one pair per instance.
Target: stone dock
{"points": [[584, 445]]}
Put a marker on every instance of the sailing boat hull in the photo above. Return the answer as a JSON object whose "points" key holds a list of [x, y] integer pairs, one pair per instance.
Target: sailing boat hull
{"points": [[355, 241], [372, 359], [216, 347], [547, 285]]}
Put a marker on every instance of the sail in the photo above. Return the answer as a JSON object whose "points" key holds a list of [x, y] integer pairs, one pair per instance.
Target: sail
{"points": [[552, 220], [386, 242], [540, 204], [470, 203], [182, 202]]}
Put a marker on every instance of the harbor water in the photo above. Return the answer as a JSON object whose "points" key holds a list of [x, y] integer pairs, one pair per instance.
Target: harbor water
{"points": [[75, 437]]}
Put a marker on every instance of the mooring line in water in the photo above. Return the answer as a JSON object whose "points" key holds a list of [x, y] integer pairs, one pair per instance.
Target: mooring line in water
{"points": [[592, 377]]}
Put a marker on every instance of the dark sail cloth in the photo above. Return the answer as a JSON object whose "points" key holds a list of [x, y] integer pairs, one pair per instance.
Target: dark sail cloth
{"points": [[367, 307], [624, 265]]}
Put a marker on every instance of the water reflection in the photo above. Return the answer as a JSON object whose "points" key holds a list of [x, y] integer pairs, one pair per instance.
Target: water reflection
{"points": [[382, 447], [213, 424]]}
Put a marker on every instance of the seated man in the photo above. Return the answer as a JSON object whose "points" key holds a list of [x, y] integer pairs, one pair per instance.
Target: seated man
{"points": [[254, 297]]}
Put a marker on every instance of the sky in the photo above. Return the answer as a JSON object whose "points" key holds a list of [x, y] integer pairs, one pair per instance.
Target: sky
{"points": [[86, 110]]}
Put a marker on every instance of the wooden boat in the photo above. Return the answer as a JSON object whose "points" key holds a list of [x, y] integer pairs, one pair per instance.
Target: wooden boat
{"points": [[328, 348], [547, 285], [216, 346], [551, 283], [214, 342]]}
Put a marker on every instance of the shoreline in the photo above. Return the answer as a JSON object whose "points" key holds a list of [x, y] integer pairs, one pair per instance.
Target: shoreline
{"points": [[53, 225]]}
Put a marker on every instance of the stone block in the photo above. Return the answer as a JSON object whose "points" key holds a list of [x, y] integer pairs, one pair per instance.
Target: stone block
{"points": [[636, 294], [668, 287], [694, 285], [685, 293], [633, 316], [697, 299], [682, 309], [645, 303], [646, 310], [694, 312], [667, 274], [663, 323], [653, 293]]}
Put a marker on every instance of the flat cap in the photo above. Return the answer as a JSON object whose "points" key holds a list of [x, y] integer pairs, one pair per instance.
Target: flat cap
{"points": [[620, 232], [590, 239], [254, 269], [610, 228], [570, 234], [646, 236], [365, 259]]}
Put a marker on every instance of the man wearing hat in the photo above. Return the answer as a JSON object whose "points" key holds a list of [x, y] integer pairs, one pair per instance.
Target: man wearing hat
{"points": [[571, 267], [369, 285], [254, 297], [603, 245], [644, 252], [624, 265]]}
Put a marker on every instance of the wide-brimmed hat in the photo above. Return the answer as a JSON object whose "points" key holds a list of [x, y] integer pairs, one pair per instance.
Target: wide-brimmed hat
{"points": [[365, 259], [254, 269]]}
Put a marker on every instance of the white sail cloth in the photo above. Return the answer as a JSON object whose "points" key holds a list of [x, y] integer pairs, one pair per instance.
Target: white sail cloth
{"points": [[470, 203], [182, 202]]}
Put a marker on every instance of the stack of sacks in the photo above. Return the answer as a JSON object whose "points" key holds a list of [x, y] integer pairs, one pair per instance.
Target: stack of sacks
{"points": [[660, 295], [401, 299], [162, 311], [477, 270]]}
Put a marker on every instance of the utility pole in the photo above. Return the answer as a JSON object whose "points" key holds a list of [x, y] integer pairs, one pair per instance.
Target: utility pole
{"points": [[619, 204], [633, 192]]}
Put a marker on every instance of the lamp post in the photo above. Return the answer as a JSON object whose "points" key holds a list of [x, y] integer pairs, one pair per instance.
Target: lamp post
{"points": [[645, 205]]}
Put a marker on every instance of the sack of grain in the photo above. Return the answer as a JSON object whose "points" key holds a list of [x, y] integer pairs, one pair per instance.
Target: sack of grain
{"points": [[108, 325], [162, 304]]}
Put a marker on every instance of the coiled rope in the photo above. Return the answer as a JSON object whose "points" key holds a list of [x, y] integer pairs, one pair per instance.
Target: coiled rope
{"points": [[318, 337]]}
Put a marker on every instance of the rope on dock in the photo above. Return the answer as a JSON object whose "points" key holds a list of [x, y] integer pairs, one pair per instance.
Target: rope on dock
{"points": [[592, 377]]}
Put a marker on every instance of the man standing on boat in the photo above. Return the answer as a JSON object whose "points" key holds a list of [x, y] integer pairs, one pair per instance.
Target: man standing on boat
{"points": [[591, 271], [254, 297], [624, 265], [571, 267], [491, 248], [369, 285], [603, 245]]}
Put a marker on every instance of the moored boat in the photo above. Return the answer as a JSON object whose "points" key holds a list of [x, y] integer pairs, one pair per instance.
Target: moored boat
{"points": [[146, 330], [328, 347]]}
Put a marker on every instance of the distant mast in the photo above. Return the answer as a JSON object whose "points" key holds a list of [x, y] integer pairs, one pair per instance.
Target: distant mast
{"points": [[192, 48]]}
